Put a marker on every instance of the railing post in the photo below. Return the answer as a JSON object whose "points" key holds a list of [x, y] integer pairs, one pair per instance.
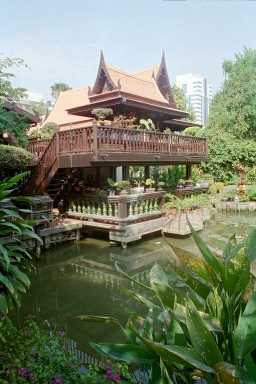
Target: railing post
{"points": [[122, 208], [95, 139]]}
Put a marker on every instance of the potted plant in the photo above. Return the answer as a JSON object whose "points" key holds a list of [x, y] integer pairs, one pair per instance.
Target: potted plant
{"points": [[123, 186], [189, 183], [111, 184], [181, 184], [149, 185], [101, 114], [139, 188]]}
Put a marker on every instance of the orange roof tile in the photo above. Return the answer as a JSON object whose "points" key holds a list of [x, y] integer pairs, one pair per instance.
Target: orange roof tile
{"points": [[68, 99], [140, 85]]}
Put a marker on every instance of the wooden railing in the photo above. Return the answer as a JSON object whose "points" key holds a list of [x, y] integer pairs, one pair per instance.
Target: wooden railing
{"points": [[120, 208], [111, 139], [76, 140], [37, 147], [47, 165], [96, 139]]}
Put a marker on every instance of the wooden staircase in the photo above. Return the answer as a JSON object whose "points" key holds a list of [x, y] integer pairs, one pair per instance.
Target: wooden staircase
{"points": [[46, 168]]}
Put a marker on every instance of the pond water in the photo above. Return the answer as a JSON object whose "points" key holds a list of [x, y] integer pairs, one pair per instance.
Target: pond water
{"points": [[79, 278]]}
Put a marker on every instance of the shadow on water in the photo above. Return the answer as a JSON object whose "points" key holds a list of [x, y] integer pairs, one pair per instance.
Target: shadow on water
{"points": [[80, 278]]}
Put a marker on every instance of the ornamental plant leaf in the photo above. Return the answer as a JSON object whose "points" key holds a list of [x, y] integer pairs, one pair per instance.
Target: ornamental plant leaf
{"points": [[128, 353], [202, 339], [207, 254], [245, 333], [250, 249]]}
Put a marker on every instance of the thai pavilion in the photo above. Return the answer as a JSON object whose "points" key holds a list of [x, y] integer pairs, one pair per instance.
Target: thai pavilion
{"points": [[85, 152]]}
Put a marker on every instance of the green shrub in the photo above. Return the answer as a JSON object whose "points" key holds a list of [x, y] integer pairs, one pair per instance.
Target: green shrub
{"points": [[15, 261], [216, 187], [45, 132], [251, 175], [251, 193], [12, 157], [36, 354]]}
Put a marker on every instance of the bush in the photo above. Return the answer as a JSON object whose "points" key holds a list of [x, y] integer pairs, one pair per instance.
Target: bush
{"points": [[14, 157], [251, 175], [225, 152], [251, 193], [46, 132], [37, 355]]}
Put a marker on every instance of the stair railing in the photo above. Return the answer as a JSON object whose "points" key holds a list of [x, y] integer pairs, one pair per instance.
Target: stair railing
{"points": [[48, 164]]}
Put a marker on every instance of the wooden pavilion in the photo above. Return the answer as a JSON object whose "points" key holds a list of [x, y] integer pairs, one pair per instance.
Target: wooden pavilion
{"points": [[88, 152]]}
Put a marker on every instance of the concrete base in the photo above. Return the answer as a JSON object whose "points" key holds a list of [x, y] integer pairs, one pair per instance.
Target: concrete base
{"points": [[177, 225], [133, 232]]}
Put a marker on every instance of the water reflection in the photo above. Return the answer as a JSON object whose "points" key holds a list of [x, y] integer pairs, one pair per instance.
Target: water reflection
{"points": [[80, 278]]}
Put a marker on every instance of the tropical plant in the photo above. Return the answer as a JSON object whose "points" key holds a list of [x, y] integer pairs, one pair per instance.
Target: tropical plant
{"points": [[15, 260], [12, 159], [172, 175], [147, 125], [102, 113], [201, 323], [37, 353], [251, 175], [44, 132], [251, 193]]}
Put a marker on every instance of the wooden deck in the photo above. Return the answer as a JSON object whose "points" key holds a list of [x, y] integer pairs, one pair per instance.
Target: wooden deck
{"points": [[96, 145]]}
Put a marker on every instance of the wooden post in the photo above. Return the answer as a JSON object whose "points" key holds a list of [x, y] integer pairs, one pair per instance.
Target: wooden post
{"points": [[188, 171], [125, 172], [95, 139], [146, 172]]}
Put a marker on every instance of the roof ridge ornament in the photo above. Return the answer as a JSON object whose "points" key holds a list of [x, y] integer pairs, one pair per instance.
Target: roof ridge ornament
{"points": [[103, 78], [163, 81]]}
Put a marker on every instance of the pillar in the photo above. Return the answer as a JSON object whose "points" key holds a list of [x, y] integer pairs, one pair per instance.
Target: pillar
{"points": [[146, 172], [125, 172], [188, 171]]}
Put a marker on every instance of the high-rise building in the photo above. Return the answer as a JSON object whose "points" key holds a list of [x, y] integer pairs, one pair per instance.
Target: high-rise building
{"points": [[198, 94]]}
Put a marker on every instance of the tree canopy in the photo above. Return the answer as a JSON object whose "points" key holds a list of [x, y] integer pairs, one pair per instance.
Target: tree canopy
{"points": [[233, 109], [11, 121], [231, 129], [180, 100], [56, 88]]}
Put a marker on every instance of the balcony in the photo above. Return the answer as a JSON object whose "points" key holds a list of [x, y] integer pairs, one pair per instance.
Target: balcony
{"points": [[97, 145]]}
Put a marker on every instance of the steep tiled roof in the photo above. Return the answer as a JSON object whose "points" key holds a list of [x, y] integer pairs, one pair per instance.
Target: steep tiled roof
{"points": [[139, 85], [68, 99]]}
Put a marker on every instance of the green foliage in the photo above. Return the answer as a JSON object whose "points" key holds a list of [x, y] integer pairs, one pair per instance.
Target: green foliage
{"points": [[122, 185], [14, 123], [15, 261], [251, 175], [37, 354], [251, 193], [172, 175], [233, 109], [102, 113], [193, 131], [57, 88], [181, 102], [186, 203], [231, 129], [6, 87], [146, 125], [225, 152], [44, 132], [200, 321], [14, 158]]}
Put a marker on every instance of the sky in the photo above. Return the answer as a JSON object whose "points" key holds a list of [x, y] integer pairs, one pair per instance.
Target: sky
{"points": [[60, 40]]}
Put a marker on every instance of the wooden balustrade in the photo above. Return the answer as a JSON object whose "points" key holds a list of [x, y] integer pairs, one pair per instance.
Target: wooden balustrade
{"points": [[48, 164], [76, 140], [118, 208], [109, 139], [37, 147]]}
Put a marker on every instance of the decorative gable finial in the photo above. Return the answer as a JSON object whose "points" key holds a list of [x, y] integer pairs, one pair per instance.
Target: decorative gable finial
{"points": [[163, 82]]}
